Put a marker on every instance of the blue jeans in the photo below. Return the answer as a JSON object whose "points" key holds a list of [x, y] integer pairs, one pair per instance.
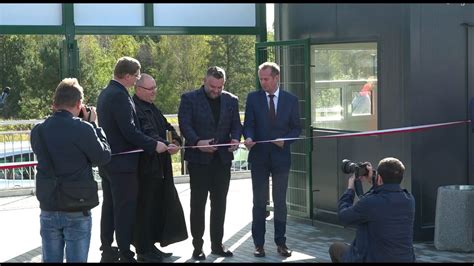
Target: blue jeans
{"points": [[65, 229]]}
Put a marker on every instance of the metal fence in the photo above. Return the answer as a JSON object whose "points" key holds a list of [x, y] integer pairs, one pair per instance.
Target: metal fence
{"points": [[15, 147]]}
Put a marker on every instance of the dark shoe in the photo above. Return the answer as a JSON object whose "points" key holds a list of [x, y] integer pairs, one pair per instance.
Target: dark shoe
{"points": [[149, 257], [160, 253], [199, 255], [259, 252], [222, 251], [110, 254], [284, 251], [124, 259], [127, 257]]}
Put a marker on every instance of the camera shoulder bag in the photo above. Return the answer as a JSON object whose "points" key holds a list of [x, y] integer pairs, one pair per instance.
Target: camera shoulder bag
{"points": [[79, 194]]}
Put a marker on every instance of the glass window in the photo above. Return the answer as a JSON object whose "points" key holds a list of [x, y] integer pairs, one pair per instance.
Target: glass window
{"points": [[344, 86]]}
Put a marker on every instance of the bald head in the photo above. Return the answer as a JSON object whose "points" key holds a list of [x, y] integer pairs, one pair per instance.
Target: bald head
{"points": [[145, 88], [144, 79]]}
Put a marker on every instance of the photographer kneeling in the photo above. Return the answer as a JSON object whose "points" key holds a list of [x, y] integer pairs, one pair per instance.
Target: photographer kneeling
{"points": [[384, 217]]}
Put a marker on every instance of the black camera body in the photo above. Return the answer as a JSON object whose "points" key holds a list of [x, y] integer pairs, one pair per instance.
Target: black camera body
{"points": [[81, 114], [359, 169]]}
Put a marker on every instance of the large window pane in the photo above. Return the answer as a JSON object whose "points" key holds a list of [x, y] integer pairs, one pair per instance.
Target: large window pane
{"points": [[344, 86]]}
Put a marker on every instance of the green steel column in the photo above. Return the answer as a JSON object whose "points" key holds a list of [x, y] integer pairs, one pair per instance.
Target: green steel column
{"points": [[260, 55], [70, 52], [149, 15]]}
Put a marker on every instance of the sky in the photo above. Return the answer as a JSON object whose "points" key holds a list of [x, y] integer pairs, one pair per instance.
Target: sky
{"points": [[270, 18]]}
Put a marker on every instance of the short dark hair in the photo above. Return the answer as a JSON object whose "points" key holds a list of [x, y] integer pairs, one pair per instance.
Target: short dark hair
{"points": [[126, 65], [391, 170], [68, 93], [273, 66], [216, 72]]}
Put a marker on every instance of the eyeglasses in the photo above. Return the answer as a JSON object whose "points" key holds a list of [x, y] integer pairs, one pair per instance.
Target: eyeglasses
{"points": [[149, 89]]}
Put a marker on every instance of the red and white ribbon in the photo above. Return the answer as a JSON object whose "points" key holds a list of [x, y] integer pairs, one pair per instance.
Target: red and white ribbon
{"points": [[344, 135], [4, 166]]}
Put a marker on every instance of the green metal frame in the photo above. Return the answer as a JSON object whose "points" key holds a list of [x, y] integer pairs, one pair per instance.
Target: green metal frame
{"points": [[307, 126], [69, 30]]}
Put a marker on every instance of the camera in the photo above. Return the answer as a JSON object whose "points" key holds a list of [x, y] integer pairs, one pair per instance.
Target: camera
{"points": [[359, 169], [81, 114]]}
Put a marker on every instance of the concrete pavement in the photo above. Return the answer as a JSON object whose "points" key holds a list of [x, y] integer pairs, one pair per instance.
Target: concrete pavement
{"points": [[20, 240]]}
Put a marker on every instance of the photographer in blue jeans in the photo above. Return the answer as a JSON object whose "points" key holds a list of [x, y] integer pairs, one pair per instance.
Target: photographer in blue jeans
{"points": [[66, 147]]}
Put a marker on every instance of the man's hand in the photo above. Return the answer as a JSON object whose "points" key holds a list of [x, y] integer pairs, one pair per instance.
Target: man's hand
{"points": [[173, 149], [249, 143], [206, 142], [350, 182], [370, 172], [279, 143], [89, 116], [234, 147], [93, 114], [160, 147]]}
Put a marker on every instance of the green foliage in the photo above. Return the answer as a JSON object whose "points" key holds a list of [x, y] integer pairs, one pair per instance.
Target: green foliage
{"points": [[31, 66], [180, 64], [236, 54], [96, 68]]}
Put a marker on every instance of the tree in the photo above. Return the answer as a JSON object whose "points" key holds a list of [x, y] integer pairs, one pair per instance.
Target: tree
{"points": [[95, 67], [38, 76], [180, 64], [236, 54]]}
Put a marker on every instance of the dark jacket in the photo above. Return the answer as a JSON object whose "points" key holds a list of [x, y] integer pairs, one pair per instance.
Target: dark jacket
{"points": [[196, 122], [384, 219], [73, 145], [258, 127], [154, 124], [160, 217], [116, 114]]}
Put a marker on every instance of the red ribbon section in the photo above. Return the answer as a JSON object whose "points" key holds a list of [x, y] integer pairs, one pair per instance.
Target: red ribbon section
{"points": [[4, 166]]}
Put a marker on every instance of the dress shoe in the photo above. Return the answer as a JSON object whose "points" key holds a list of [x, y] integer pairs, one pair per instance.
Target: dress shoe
{"points": [[284, 251], [199, 255], [160, 253], [222, 251], [109, 254], [149, 257], [126, 259], [259, 252]]}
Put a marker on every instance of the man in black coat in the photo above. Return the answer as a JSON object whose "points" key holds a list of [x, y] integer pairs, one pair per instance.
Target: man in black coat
{"points": [[118, 118], [209, 115], [155, 178]]}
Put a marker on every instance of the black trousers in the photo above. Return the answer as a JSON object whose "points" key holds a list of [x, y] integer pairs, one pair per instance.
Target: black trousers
{"points": [[213, 178], [119, 205]]}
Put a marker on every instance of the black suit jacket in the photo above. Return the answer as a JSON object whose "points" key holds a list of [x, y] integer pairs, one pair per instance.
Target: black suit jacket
{"points": [[117, 116], [196, 122]]}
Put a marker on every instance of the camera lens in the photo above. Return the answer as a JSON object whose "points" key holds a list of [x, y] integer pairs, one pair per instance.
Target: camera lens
{"points": [[348, 167]]}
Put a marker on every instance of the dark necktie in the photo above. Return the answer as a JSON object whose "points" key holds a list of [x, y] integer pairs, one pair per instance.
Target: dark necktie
{"points": [[272, 108]]}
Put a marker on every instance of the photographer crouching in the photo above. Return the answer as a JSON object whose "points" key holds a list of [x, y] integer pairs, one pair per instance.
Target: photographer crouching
{"points": [[384, 217]]}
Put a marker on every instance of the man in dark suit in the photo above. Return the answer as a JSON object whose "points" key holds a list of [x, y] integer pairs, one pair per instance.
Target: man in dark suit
{"points": [[117, 116], [209, 115], [270, 114]]}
